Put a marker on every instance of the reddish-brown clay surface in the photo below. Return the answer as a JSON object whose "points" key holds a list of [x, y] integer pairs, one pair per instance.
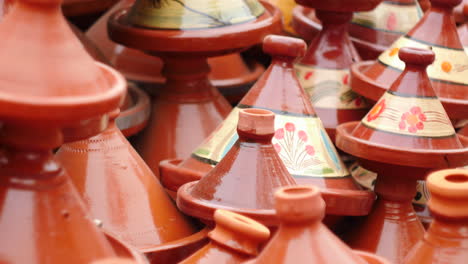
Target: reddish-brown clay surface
{"points": [[324, 73], [235, 239], [448, 72], [300, 210], [120, 190], [85, 7], [51, 90], [397, 141], [188, 101], [446, 240], [251, 165], [300, 138]]}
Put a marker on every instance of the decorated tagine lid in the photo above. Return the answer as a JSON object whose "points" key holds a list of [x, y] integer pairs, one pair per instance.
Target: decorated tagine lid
{"points": [[300, 139], [145, 70], [300, 210], [324, 73], [251, 165], [374, 31], [135, 207], [234, 239], [51, 90], [447, 73], [402, 138], [446, 240]]}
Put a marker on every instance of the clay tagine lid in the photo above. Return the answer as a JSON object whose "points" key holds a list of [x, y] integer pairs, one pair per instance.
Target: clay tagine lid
{"points": [[408, 121], [300, 210], [135, 207], [251, 165], [234, 239], [446, 238], [300, 139], [447, 73], [324, 73]]}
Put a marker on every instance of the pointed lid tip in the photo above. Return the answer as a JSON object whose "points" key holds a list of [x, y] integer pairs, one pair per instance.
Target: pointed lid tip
{"points": [[416, 56], [256, 121], [449, 192], [299, 203], [247, 233], [275, 45]]}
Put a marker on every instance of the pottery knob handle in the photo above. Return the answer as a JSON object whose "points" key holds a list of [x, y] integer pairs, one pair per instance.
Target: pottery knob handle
{"points": [[238, 232], [256, 121], [299, 203], [449, 193], [416, 56], [284, 46], [445, 3]]}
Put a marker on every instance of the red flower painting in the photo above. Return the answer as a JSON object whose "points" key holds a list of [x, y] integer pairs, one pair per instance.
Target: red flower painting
{"points": [[376, 110], [413, 120]]}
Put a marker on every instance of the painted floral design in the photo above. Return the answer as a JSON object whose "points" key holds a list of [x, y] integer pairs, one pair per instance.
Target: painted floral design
{"points": [[392, 22], [376, 110], [413, 120], [293, 147]]}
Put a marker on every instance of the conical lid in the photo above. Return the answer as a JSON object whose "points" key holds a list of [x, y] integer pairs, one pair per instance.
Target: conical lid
{"points": [[301, 236], [324, 72], [120, 190], [300, 139], [234, 239], [193, 14], [437, 31], [251, 165], [409, 114]]}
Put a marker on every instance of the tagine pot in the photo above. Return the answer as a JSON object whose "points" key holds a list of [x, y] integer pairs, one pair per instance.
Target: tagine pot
{"points": [[300, 139], [446, 240], [406, 135], [54, 92], [300, 210], [459, 13], [324, 73], [188, 101], [234, 239], [448, 72], [145, 70]]}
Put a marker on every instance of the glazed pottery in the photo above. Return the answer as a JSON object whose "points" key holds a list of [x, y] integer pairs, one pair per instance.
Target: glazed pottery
{"points": [[436, 30], [84, 7], [134, 207], [51, 90], [446, 240], [402, 138], [324, 73], [459, 13], [123, 250], [188, 101], [301, 236], [235, 238], [463, 31], [300, 139], [145, 70], [251, 165], [134, 117]]}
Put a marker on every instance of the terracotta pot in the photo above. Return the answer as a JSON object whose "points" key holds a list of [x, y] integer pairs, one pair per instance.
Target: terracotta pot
{"points": [[235, 239], [324, 73], [252, 165], [300, 210], [124, 251], [402, 138], [135, 116], [300, 139], [446, 238], [372, 79], [463, 30], [188, 101], [145, 70], [459, 13], [51, 90]]}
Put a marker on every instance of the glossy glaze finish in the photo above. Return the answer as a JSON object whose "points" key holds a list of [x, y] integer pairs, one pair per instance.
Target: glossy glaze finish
{"points": [[145, 70], [446, 240], [50, 92], [251, 165], [134, 206], [279, 91], [234, 239], [135, 115], [401, 156], [371, 79], [300, 210], [324, 73], [188, 102], [459, 12]]}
